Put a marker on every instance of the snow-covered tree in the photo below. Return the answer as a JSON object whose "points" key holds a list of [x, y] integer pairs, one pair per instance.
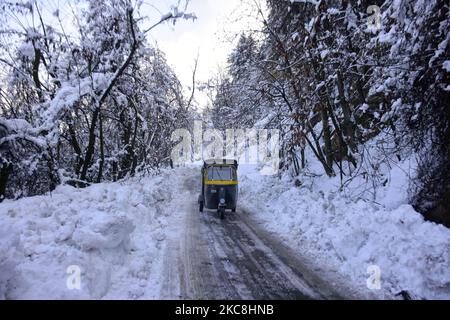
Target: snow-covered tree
{"points": [[83, 106], [343, 88]]}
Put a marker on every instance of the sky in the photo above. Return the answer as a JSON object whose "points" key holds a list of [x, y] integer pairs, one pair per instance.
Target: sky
{"points": [[211, 36]]}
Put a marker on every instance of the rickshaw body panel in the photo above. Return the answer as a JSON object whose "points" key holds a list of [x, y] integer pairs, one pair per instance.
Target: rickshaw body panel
{"points": [[213, 190], [211, 196]]}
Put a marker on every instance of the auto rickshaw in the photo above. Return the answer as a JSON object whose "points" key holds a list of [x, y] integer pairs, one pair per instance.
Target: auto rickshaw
{"points": [[219, 186]]}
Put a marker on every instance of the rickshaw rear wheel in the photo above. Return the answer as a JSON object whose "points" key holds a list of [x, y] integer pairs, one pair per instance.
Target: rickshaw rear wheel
{"points": [[233, 210], [222, 213], [201, 206]]}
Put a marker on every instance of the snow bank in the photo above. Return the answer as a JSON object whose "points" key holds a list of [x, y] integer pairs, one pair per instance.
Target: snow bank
{"points": [[344, 235], [115, 234], [112, 232]]}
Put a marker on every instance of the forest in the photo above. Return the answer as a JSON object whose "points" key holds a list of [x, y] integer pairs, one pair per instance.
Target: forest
{"points": [[353, 86]]}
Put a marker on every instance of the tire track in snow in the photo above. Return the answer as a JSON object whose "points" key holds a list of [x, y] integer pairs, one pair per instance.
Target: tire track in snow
{"points": [[209, 258]]}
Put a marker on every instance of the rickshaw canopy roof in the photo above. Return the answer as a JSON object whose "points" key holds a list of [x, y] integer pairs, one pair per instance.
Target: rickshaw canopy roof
{"points": [[220, 162]]}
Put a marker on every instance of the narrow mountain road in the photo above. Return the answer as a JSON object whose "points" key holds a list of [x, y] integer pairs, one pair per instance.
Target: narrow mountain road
{"points": [[209, 258]]}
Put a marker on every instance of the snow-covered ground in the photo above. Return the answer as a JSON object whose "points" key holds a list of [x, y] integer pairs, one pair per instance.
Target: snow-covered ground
{"points": [[112, 232], [342, 233]]}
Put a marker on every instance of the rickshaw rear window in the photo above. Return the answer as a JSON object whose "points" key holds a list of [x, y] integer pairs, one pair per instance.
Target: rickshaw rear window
{"points": [[220, 173]]}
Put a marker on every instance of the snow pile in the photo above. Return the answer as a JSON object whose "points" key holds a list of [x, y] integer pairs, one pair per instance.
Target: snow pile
{"points": [[111, 232], [344, 235], [9, 240], [115, 234]]}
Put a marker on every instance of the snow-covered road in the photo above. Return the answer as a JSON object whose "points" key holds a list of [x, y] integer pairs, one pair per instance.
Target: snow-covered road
{"points": [[209, 258]]}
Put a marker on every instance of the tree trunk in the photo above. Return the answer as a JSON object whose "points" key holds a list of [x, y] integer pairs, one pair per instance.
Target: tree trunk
{"points": [[348, 125], [5, 171], [328, 151], [91, 145], [102, 150]]}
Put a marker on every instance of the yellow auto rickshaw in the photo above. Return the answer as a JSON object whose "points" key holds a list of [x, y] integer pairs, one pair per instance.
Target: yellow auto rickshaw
{"points": [[219, 186]]}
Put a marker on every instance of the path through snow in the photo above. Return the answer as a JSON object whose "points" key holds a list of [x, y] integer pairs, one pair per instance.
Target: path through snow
{"points": [[145, 239]]}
